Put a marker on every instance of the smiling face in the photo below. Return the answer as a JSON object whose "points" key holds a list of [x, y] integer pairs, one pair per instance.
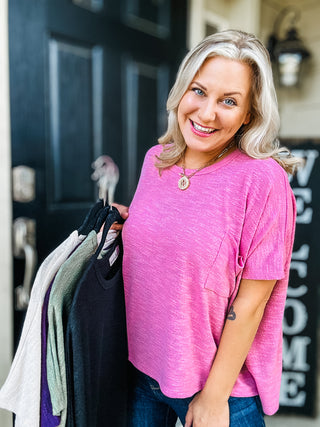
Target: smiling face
{"points": [[214, 107]]}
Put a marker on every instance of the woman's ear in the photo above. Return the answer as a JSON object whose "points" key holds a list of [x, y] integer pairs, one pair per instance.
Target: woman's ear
{"points": [[247, 119]]}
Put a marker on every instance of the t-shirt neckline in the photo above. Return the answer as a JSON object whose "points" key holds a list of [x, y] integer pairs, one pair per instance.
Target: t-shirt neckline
{"points": [[209, 169]]}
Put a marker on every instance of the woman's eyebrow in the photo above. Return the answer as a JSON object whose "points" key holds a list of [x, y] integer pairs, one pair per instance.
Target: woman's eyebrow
{"points": [[232, 93], [198, 84]]}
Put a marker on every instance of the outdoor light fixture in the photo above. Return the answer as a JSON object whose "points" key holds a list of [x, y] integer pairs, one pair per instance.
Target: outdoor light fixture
{"points": [[287, 54]]}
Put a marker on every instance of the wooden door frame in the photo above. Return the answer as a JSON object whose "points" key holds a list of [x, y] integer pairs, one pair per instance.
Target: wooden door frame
{"points": [[6, 304]]}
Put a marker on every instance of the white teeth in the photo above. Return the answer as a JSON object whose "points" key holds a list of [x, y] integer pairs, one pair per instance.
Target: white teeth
{"points": [[202, 129]]}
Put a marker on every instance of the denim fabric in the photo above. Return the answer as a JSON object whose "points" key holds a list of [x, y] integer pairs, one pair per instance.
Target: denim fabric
{"points": [[149, 407], [246, 412]]}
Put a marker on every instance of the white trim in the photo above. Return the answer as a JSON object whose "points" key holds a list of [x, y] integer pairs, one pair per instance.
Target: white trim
{"points": [[215, 20], [199, 17], [195, 25], [6, 305]]}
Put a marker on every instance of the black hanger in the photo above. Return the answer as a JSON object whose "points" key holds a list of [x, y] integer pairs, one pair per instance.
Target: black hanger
{"points": [[101, 218], [91, 218], [112, 216]]}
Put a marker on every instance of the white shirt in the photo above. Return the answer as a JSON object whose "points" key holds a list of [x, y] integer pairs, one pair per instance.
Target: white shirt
{"points": [[21, 390]]}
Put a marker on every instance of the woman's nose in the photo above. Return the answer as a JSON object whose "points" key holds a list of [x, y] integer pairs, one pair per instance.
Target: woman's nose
{"points": [[208, 111]]}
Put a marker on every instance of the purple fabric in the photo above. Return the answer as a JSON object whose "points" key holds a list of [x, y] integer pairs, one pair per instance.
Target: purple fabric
{"points": [[46, 417]]}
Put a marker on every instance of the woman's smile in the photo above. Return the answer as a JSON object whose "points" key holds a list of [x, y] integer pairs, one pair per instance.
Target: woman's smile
{"points": [[201, 130]]}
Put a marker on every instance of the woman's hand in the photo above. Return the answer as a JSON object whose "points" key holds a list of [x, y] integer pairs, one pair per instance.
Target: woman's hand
{"points": [[124, 212], [206, 412]]}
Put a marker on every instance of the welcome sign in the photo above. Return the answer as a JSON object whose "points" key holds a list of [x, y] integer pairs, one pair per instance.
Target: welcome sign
{"points": [[300, 350]]}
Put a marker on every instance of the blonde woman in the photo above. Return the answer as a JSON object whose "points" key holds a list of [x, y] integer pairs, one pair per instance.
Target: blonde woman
{"points": [[207, 246]]}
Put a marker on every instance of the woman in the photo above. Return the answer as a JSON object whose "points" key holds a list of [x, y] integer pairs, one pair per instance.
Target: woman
{"points": [[207, 246]]}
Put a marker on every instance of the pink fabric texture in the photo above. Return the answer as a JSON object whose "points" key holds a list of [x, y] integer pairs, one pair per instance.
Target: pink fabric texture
{"points": [[185, 253]]}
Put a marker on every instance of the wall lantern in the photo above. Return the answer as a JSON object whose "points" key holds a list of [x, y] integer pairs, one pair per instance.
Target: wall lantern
{"points": [[288, 54]]}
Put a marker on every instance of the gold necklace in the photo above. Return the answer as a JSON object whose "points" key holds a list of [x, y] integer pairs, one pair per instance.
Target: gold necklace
{"points": [[184, 181]]}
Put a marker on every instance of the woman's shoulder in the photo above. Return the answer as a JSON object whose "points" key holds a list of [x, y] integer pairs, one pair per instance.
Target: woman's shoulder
{"points": [[155, 150], [152, 153], [264, 179], [265, 170], [259, 178], [150, 158]]}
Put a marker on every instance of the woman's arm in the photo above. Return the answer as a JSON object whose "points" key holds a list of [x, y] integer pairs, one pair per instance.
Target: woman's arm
{"points": [[210, 406]]}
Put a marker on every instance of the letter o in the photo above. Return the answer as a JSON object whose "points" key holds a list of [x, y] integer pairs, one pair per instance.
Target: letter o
{"points": [[300, 317]]}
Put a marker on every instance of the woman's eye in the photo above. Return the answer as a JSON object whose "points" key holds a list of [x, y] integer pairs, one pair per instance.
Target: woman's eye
{"points": [[230, 102], [197, 91]]}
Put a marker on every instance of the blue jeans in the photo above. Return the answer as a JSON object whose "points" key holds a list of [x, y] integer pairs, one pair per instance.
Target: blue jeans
{"points": [[149, 407]]}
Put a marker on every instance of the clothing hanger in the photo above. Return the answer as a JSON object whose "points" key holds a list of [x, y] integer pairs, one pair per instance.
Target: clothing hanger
{"points": [[101, 218], [91, 218], [112, 216], [96, 216]]}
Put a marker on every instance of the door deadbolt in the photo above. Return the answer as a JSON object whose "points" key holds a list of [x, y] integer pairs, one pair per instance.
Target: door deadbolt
{"points": [[23, 184]]}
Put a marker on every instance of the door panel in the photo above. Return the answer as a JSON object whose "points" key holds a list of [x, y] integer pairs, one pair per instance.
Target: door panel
{"points": [[75, 122], [151, 17], [87, 77], [145, 86]]}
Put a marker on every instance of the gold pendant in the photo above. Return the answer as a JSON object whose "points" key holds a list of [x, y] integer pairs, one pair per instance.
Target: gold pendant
{"points": [[183, 182]]}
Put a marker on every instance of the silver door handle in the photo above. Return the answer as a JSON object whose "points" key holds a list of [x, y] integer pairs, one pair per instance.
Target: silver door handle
{"points": [[24, 247]]}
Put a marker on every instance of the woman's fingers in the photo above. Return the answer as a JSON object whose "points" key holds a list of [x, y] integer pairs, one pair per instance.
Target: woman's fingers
{"points": [[189, 418], [123, 210]]}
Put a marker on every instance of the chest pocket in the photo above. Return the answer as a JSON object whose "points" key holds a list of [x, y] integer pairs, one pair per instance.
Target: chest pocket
{"points": [[225, 268]]}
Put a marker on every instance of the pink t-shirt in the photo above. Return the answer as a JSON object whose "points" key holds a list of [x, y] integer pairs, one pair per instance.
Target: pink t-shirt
{"points": [[185, 253]]}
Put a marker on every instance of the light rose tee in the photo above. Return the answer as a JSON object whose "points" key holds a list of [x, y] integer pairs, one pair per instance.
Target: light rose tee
{"points": [[185, 253]]}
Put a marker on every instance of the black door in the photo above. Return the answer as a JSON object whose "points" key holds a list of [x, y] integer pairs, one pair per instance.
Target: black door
{"points": [[87, 77]]}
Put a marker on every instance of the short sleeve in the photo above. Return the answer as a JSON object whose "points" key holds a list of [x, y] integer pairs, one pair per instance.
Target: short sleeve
{"points": [[268, 231]]}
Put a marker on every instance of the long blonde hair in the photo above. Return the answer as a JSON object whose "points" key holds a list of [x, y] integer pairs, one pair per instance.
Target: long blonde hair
{"points": [[258, 139]]}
